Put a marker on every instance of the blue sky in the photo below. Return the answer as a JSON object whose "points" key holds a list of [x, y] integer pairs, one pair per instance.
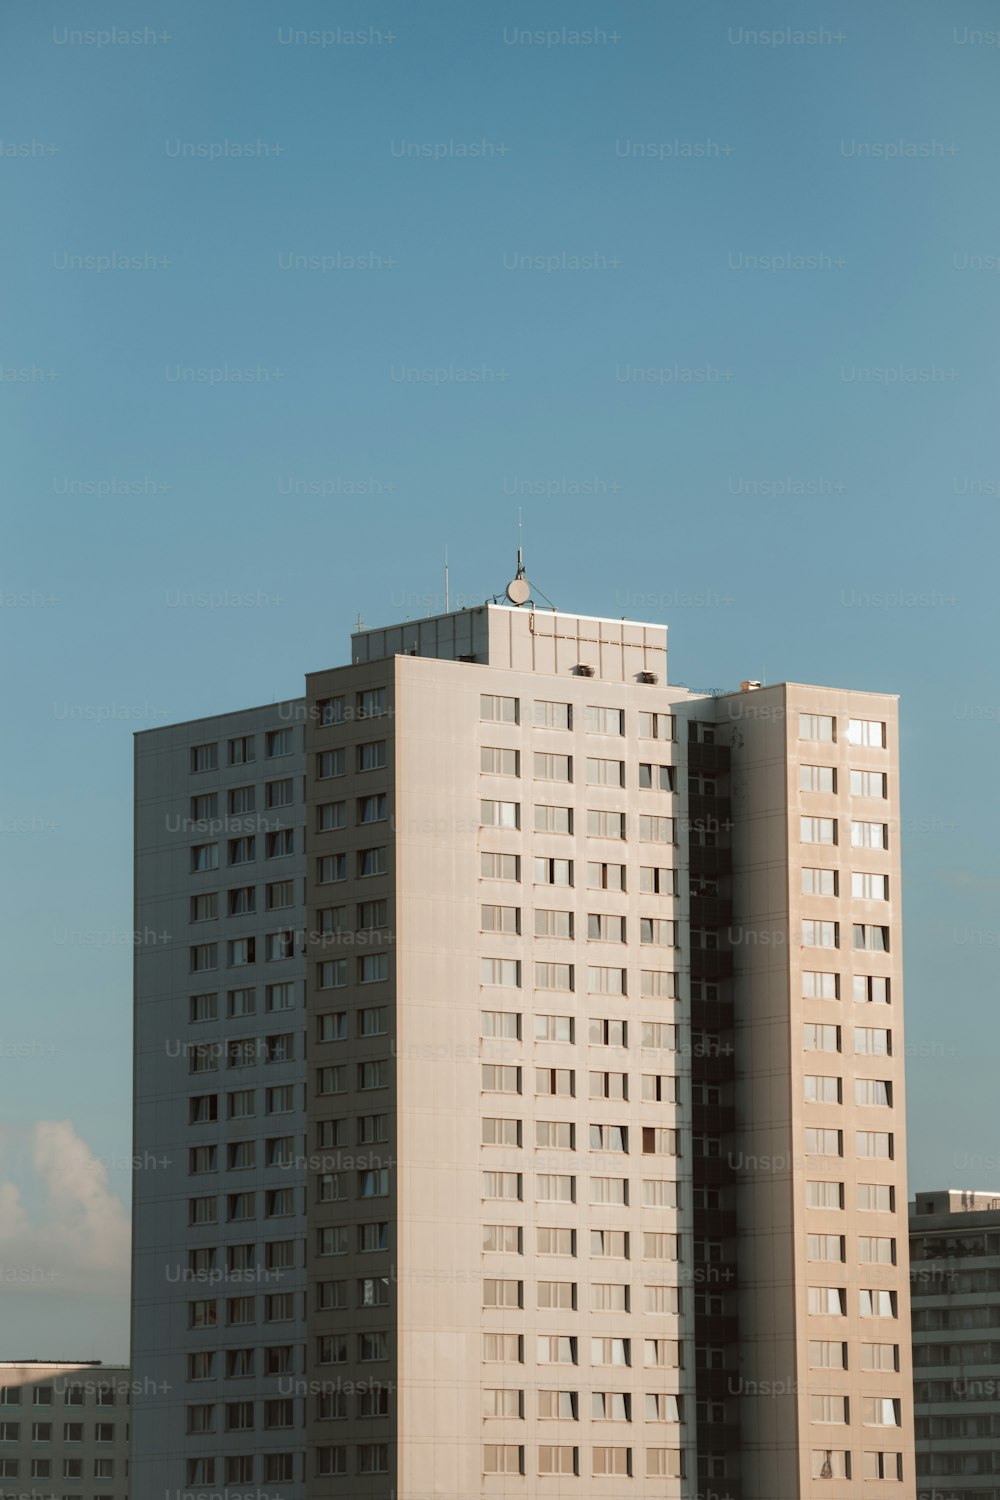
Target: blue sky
{"points": [[713, 302]]}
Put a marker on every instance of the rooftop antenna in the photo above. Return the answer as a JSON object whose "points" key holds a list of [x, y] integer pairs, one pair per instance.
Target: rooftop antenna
{"points": [[446, 608], [519, 590]]}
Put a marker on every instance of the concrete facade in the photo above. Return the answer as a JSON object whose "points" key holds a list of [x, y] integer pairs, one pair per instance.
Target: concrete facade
{"points": [[955, 1270], [553, 1023], [64, 1430]]}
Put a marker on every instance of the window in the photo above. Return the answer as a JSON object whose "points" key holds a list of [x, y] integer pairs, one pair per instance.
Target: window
{"points": [[500, 866], [556, 1349], [547, 767], [824, 1142], [503, 1239], [503, 1348], [655, 830], [204, 758], [872, 1041], [825, 1247], [555, 1028], [659, 1036], [882, 1466], [204, 956], [868, 784], [279, 793], [278, 742], [866, 732], [500, 1023], [820, 934], [873, 1303], [330, 763], [602, 877], [373, 1021], [656, 932], [555, 1187], [279, 997], [497, 710], [827, 1356], [553, 924], [656, 726], [605, 825], [605, 772], [609, 1138], [498, 1185], [205, 908], [241, 952], [609, 1190], [503, 1458], [876, 1197], [242, 851], [828, 1301], [203, 1108], [371, 756], [553, 871], [278, 945], [820, 1038], [372, 862], [373, 809], [817, 985], [374, 1074], [818, 830], [608, 1085], [816, 882], [870, 989], [873, 1092], [554, 976], [880, 1356], [605, 981], [204, 857], [816, 727], [331, 711], [373, 968], [656, 778], [606, 1032], [331, 868], [603, 720], [500, 1132], [332, 1240], [203, 1008], [556, 1241], [242, 750], [201, 1159], [866, 887], [609, 1244], [500, 919], [330, 816], [817, 779], [828, 1409], [869, 836], [280, 844], [501, 1078], [657, 880], [500, 1293], [242, 901], [824, 1194], [876, 1250], [500, 971], [822, 1090], [869, 938], [555, 1081]]}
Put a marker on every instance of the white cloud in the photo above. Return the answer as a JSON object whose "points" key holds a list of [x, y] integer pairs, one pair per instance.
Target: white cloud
{"points": [[62, 1229]]}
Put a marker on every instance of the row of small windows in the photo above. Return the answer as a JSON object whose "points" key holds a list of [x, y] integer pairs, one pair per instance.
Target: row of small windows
{"points": [[600, 876], [600, 980], [865, 886], [496, 760], [870, 989], [872, 1249], [240, 1002], [609, 825], [494, 709], [564, 1406], [872, 1197], [602, 1031], [330, 816], [869, 1041], [72, 1395], [41, 1468], [603, 927], [864, 835], [605, 1297], [833, 1355], [872, 1144], [561, 1135], [241, 900], [241, 1104], [370, 756], [831, 1301], [277, 1468], [868, 1092], [509, 1458], [242, 750], [331, 868], [564, 1349], [369, 703], [278, 844], [72, 1432], [505, 1078], [823, 727], [240, 1052], [824, 779], [830, 1463]]}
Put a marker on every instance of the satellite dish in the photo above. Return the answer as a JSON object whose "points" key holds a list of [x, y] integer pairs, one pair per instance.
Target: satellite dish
{"points": [[518, 591]]}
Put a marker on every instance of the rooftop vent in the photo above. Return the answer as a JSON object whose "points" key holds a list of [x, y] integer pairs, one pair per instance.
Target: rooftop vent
{"points": [[583, 670], [750, 686], [649, 676]]}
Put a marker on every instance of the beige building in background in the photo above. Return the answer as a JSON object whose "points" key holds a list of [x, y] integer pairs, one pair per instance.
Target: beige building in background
{"points": [[595, 1040]]}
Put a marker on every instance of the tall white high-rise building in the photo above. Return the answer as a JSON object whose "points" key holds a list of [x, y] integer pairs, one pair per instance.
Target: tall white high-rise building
{"points": [[522, 1036]]}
